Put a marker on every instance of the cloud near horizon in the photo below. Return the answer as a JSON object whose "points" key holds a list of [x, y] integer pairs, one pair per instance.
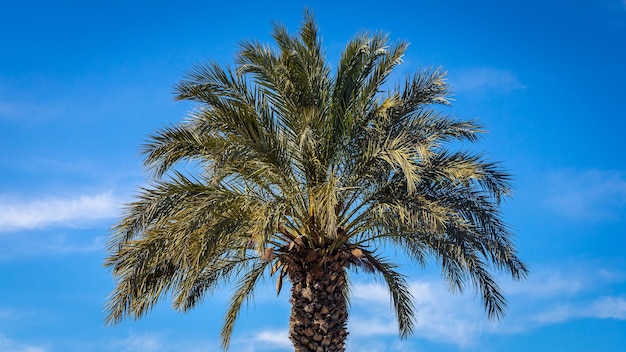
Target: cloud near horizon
{"points": [[275, 338], [602, 308], [589, 195], [19, 214], [441, 316], [459, 319], [485, 79], [8, 345]]}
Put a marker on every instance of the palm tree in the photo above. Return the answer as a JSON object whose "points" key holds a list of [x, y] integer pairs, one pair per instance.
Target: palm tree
{"points": [[305, 174]]}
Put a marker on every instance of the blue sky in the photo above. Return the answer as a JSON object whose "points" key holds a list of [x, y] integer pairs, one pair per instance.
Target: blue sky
{"points": [[82, 84]]}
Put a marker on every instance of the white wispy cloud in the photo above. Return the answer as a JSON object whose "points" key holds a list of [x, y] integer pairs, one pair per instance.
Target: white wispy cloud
{"points": [[603, 308], [441, 316], [589, 195], [485, 79], [144, 342], [370, 292], [20, 214], [7, 109], [588, 288], [270, 339], [274, 338], [585, 286], [43, 244], [460, 319], [550, 282], [8, 345], [60, 244], [18, 111], [371, 345], [361, 325], [608, 308], [161, 342]]}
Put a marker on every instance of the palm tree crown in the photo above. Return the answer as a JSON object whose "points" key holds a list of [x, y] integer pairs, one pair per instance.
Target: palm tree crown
{"points": [[304, 174]]}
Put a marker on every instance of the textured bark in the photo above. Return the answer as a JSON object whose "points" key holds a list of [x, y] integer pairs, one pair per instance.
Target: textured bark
{"points": [[319, 312]]}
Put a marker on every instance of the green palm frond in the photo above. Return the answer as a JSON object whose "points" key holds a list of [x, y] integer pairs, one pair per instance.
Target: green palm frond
{"points": [[242, 294], [401, 296]]}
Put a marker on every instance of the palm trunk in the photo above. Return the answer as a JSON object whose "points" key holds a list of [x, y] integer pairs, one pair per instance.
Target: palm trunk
{"points": [[319, 312]]}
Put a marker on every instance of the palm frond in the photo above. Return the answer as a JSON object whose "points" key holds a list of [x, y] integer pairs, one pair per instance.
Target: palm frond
{"points": [[401, 296], [242, 294]]}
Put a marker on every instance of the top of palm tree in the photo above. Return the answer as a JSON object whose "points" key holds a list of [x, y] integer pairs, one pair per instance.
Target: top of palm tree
{"points": [[300, 163]]}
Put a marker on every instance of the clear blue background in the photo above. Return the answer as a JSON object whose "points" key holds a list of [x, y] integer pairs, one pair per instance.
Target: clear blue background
{"points": [[82, 84]]}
